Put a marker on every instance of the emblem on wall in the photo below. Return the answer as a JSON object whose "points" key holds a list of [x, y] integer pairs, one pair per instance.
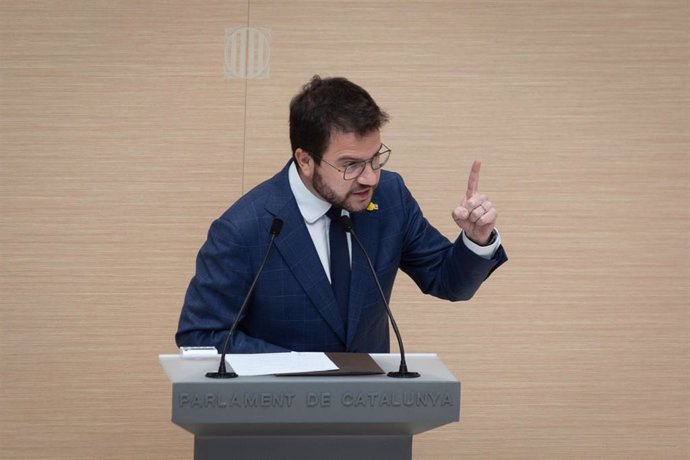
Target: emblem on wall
{"points": [[247, 53]]}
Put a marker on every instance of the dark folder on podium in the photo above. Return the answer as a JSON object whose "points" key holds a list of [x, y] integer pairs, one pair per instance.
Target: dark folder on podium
{"points": [[348, 364]]}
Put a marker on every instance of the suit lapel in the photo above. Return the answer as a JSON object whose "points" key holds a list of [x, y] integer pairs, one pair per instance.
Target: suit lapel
{"points": [[297, 249]]}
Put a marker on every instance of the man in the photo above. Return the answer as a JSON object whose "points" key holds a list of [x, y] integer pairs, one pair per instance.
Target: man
{"points": [[300, 303]]}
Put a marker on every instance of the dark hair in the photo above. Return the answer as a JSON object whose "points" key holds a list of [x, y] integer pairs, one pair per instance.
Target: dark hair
{"points": [[329, 105]]}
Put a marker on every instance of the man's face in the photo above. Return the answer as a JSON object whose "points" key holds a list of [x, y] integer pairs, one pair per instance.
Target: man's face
{"points": [[327, 182]]}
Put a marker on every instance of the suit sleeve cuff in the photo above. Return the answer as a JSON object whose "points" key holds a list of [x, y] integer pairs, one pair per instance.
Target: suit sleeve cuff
{"points": [[486, 252]]}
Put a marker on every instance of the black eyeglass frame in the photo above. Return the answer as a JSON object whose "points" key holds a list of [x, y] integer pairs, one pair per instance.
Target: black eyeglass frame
{"points": [[383, 150]]}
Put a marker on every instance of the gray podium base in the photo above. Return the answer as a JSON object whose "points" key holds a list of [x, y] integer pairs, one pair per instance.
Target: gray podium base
{"points": [[332, 418], [303, 447]]}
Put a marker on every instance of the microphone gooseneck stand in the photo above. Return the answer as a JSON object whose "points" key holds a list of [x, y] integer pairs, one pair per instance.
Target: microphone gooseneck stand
{"points": [[402, 373], [276, 227]]}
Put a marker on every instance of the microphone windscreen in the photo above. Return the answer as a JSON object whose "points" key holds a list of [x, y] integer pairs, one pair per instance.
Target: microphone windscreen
{"points": [[276, 226], [346, 222]]}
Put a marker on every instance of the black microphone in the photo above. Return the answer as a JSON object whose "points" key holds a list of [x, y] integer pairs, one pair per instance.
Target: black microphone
{"points": [[402, 373], [276, 227]]}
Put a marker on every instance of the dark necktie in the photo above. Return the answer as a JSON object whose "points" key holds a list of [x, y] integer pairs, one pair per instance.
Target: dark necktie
{"points": [[340, 261]]}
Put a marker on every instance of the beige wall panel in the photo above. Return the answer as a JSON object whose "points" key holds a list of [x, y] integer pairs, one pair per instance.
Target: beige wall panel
{"points": [[120, 141], [578, 346]]}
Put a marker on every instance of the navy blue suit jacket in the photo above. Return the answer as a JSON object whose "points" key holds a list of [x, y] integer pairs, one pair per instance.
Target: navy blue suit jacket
{"points": [[293, 306]]}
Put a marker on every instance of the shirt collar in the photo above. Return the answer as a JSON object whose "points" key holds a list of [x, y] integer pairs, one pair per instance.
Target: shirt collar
{"points": [[311, 206]]}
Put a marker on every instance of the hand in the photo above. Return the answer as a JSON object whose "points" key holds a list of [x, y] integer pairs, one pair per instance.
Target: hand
{"points": [[476, 216]]}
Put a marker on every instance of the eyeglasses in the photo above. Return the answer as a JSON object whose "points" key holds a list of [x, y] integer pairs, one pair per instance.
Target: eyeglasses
{"points": [[354, 170]]}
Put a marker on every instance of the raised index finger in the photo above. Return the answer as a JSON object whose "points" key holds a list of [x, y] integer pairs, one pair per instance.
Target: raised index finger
{"points": [[473, 181]]}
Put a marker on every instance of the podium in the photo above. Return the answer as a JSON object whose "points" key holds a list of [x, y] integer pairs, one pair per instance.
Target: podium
{"points": [[308, 417]]}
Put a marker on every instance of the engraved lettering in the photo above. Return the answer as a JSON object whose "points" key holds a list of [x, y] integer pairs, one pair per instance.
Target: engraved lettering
{"points": [[394, 399], [408, 399], [251, 400], [446, 400], [266, 399], [239, 401], [385, 401], [312, 400], [360, 401], [318, 400]]}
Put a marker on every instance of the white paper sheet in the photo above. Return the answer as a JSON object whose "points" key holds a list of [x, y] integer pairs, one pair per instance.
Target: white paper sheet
{"points": [[279, 363]]}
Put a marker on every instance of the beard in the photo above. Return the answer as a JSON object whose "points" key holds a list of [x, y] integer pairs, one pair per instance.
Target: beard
{"points": [[333, 198]]}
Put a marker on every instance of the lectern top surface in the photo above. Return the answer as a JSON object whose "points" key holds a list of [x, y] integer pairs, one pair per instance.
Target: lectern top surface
{"points": [[185, 370]]}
